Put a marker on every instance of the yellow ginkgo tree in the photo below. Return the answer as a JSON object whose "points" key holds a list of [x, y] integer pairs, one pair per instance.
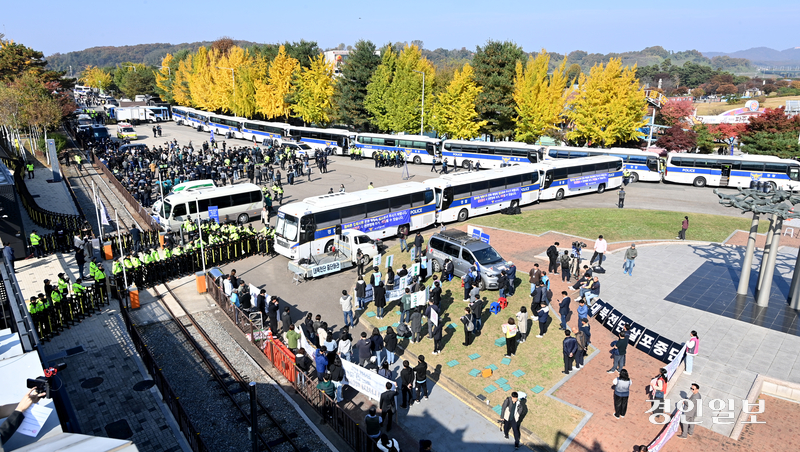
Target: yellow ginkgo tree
{"points": [[272, 96], [539, 97], [312, 100], [454, 113], [609, 107], [96, 78]]}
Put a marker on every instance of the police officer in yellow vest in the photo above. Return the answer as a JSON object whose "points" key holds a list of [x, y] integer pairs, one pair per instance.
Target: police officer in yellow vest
{"points": [[29, 167], [36, 244]]}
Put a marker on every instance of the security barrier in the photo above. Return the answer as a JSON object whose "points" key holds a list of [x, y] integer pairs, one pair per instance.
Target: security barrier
{"points": [[305, 385], [122, 191]]}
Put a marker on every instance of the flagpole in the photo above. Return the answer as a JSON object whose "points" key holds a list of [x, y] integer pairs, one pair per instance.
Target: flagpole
{"points": [[202, 249], [121, 255], [97, 212]]}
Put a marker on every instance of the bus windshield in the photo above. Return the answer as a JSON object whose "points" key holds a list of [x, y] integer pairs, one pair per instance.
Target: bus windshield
{"points": [[166, 211], [286, 227]]}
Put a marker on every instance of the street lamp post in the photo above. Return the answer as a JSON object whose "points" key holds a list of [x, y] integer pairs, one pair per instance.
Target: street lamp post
{"points": [[422, 120], [169, 71]]}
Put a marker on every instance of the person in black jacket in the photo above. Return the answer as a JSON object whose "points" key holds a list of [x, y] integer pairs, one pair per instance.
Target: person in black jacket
{"points": [[513, 411], [388, 406], [16, 415], [406, 384], [421, 378], [390, 344], [377, 346], [336, 372], [552, 256], [469, 322], [379, 296], [436, 292], [273, 309], [502, 283]]}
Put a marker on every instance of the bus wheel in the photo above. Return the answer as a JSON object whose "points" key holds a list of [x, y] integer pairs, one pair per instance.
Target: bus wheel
{"points": [[634, 177], [417, 160], [772, 186], [243, 218], [463, 215], [601, 188], [560, 194], [436, 267], [253, 139], [329, 246], [465, 164], [699, 182]]}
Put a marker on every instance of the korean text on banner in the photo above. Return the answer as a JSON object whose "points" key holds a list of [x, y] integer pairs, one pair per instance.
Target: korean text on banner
{"points": [[381, 222], [672, 367], [496, 197], [365, 381], [587, 181]]}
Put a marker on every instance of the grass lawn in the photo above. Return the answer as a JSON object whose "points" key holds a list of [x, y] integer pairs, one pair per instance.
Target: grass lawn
{"points": [[715, 108], [539, 359], [620, 224]]}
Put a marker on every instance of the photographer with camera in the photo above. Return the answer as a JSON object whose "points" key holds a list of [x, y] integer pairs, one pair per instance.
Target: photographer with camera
{"points": [[577, 248], [15, 414]]}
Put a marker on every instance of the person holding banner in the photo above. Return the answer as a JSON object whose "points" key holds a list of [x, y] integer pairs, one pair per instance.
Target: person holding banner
{"points": [[434, 326]]}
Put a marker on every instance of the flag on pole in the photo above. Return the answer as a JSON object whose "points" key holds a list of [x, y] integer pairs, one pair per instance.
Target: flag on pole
{"points": [[103, 212]]}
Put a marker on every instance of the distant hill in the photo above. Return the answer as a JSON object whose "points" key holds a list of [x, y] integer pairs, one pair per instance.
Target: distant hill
{"points": [[150, 54], [764, 56]]}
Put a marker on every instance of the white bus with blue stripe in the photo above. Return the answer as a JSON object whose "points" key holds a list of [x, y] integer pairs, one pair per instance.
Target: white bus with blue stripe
{"points": [[490, 154], [309, 227], [229, 126], [569, 177], [264, 132], [336, 139], [418, 149], [460, 196], [196, 119], [642, 165], [732, 171]]}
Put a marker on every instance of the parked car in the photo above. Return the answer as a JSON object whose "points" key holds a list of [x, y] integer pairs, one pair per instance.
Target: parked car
{"points": [[464, 250]]}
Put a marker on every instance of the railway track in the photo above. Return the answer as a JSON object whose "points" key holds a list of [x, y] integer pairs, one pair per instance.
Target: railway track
{"points": [[272, 436]]}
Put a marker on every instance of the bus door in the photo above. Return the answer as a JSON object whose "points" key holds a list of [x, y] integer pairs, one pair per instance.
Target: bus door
{"points": [[548, 179], [725, 175], [447, 198], [652, 164]]}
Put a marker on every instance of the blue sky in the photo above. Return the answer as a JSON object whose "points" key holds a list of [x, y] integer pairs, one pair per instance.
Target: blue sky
{"points": [[592, 26]]}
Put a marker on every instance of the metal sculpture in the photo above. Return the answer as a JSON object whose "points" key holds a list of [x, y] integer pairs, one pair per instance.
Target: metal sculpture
{"points": [[779, 205]]}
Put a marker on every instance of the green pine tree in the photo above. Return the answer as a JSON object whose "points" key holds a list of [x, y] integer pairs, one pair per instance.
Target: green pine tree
{"points": [[495, 65], [351, 88]]}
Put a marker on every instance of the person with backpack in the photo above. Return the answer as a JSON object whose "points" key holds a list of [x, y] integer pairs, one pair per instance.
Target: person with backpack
{"points": [[513, 411], [469, 327], [565, 262], [552, 256]]}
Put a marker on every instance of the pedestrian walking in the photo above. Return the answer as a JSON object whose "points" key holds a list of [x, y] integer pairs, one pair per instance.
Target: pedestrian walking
{"points": [[688, 417], [514, 410], [621, 197], [692, 349], [552, 256], [622, 387], [684, 227], [600, 248], [630, 256], [569, 349], [346, 301], [510, 330]]}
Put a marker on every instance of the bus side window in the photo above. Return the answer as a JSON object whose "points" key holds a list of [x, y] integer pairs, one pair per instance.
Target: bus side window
{"points": [[307, 229], [179, 211], [548, 178]]}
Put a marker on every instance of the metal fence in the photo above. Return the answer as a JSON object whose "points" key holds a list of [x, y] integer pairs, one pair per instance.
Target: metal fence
{"points": [[305, 385], [169, 396]]}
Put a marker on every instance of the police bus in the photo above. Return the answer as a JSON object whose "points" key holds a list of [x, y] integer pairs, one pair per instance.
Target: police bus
{"points": [[496, 154], [320, 139], [731, 171], [238, 203], [464, 195], [228, 126], [418, 149], [263, 132], [642, 165], [562, 178], [309, 227], [196, 119]]}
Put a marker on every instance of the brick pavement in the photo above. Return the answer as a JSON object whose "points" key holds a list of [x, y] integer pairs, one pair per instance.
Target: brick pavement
{"points": [[108, 354]]}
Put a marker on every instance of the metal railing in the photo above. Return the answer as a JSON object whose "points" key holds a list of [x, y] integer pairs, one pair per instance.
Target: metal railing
{"points": [[167, 394], [283, 359], [122, 191]]}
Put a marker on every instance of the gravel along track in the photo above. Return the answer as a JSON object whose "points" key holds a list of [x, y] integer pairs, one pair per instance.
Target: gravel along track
{"points": [[268, 394], [220, 424]]}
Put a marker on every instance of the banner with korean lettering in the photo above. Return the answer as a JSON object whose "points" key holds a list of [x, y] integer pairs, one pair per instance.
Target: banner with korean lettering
{"points": [[669, 431], [381, 222], [587, 181], [365, 381], [496, 197]]}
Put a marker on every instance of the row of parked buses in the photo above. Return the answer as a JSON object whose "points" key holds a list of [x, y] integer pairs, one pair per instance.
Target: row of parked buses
{"points": [[682, 168]]}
